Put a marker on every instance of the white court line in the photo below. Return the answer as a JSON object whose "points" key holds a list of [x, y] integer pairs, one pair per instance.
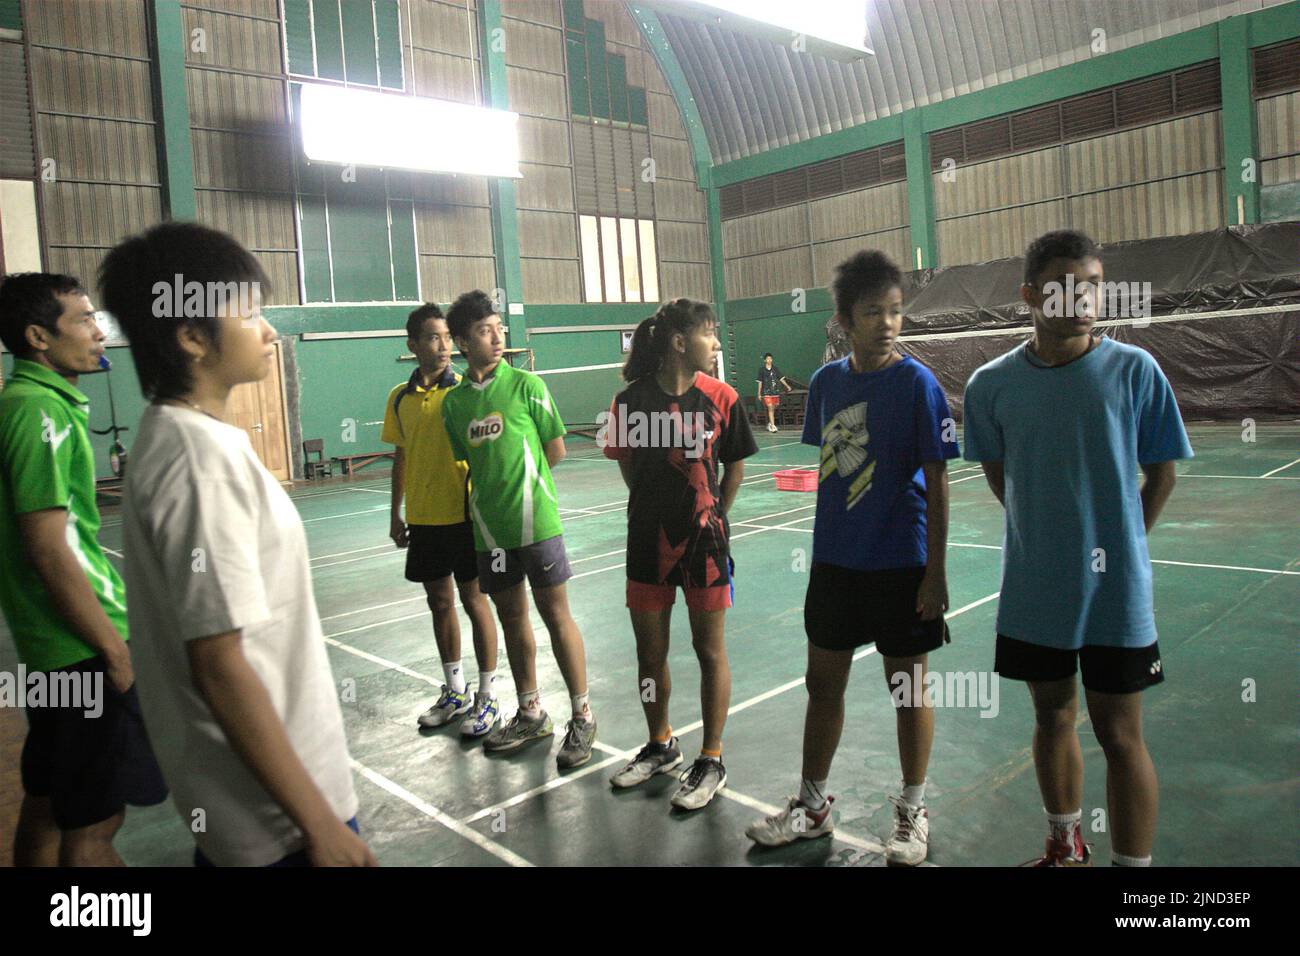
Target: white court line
{"points": [[1269, 477], [967, 478], [546, 787], [994, 547], [373, 491], [111, 551], [375, 659], [429, 810], [346, 514], [1270, 474], [339, 554]]}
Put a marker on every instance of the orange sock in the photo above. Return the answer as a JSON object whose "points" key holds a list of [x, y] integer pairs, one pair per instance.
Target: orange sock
{"points": [[715, 754], [666, 739]]}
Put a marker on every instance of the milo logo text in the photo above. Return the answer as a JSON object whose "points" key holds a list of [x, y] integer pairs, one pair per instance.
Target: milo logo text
{"points": [[487, 429]]}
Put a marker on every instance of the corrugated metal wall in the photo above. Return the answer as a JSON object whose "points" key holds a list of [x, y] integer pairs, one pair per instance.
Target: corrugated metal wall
{"points": [[453, 217], [755, 94], [799, 246], [240, 135], [548, 227], [1157, 180], [90, 77], [609, 160]]}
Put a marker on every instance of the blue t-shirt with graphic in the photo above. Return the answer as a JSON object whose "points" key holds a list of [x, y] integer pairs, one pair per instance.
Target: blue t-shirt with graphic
{"points": [[1071, 439], [875, 429]]}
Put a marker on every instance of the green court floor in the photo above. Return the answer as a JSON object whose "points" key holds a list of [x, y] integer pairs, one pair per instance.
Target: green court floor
{"points": [[1221, 729]]}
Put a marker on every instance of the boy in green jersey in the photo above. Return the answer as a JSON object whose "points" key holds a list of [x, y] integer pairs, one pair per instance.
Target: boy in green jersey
{"points": [[86, 755], [503, 421]]}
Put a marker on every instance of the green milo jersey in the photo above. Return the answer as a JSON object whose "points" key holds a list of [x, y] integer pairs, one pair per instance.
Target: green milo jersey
{"points": [[499, 427], [46, 462]]}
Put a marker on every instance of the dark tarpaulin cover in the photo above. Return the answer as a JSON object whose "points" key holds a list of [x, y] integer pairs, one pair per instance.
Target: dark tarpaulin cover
{"points": [[1222, 367]]}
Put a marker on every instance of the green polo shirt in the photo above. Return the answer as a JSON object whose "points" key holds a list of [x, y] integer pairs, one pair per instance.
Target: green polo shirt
{"points": [[46, 462]]}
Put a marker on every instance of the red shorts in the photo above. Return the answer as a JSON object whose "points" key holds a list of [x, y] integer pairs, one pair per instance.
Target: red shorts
{"points": [[772, 400], [659, 597]]}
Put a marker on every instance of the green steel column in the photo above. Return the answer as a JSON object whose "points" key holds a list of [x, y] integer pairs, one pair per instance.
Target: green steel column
{"points": [[920, 192], [1237, 122], [648, 22], [172, 109], [505, 218]]}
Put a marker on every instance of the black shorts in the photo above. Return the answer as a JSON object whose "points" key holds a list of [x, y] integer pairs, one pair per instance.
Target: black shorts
{"points": [[435, 551], [1108, 670], [88, 767], [846, 608]]}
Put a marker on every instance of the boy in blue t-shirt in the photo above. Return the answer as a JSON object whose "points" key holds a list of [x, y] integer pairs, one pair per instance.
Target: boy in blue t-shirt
{"points": [[1061, 425], [884, 430]]}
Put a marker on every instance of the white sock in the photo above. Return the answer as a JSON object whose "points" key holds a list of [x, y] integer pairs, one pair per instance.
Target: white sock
{"points": [[581, 708], [812, 793], [1119, 859], [487, 683], [915, 796], [1063, 824], [455, 675], [530, 703]]}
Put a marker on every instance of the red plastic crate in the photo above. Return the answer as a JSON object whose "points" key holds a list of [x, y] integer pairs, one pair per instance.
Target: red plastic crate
{"points": [[796, 479]]}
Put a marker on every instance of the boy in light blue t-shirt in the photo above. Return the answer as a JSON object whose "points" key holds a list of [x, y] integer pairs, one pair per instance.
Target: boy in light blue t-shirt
{"points": [[1062, 425]]}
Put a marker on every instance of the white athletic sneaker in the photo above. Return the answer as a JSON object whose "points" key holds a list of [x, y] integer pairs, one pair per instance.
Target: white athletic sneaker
{"points": [[700, 784], [449, 706], [482, 717], [910, 841], [795, 822]]}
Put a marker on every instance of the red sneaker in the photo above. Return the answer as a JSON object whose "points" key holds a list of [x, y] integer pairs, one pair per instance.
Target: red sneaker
{"points": [[1072, 852]]}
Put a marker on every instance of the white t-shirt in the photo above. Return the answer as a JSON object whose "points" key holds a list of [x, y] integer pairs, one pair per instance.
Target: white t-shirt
{"points": [[213, 544]]}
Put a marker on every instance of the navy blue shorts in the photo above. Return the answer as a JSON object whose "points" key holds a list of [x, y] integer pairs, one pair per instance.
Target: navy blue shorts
{"points": [[90, 767]]}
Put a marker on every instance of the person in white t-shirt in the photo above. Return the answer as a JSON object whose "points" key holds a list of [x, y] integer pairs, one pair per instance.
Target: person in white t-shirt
{"points": [[234, 680]]}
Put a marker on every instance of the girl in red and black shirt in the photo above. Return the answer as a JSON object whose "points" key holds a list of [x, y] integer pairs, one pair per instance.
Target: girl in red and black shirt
{"points": [[669, 430]]}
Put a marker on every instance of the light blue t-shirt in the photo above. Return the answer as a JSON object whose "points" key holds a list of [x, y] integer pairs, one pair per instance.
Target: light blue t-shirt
{"points": [[1071, 440], [875, 430]]}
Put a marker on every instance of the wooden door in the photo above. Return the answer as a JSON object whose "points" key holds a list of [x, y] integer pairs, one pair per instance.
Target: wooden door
{"points": [[258, 408]]}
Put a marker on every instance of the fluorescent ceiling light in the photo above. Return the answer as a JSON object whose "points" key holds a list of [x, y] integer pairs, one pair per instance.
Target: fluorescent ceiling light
{"points": [[842, 22], [361, 127]]}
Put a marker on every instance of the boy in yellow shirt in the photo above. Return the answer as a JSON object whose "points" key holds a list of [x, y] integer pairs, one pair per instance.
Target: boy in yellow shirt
{"points": [[436, 530]]}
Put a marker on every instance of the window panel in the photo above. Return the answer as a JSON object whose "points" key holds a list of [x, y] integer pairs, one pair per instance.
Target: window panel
{"points": [[631, 272], [590, 259], [649, 261], [609, 256]]}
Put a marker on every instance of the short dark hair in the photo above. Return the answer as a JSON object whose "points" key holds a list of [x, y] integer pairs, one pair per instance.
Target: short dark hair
{"points": [[133, 267], [468, 308], [415, 321], [866, 273], [1061, 244], [766, 356], [31, 298]]}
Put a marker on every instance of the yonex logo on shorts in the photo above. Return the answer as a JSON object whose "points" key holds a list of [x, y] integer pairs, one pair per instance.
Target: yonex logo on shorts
{"points": [[1156, 667], [487, 429]]}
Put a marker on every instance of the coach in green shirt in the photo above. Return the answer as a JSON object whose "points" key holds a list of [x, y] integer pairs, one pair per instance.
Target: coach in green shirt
{"points": [[86, 754]]}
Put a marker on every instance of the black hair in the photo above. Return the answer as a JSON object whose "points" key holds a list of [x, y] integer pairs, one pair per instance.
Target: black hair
{"points": [[415, 321], [766, 356], [469, 307], [172, 252], [864, 274], [651, 339], [31, 298], [1061, 244]]}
